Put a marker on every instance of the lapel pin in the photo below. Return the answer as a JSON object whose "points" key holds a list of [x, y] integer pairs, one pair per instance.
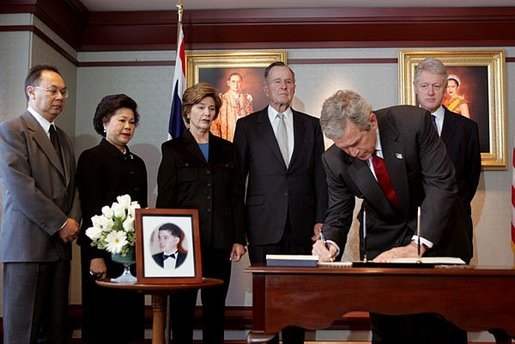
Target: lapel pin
{"points": [[398, 155]]}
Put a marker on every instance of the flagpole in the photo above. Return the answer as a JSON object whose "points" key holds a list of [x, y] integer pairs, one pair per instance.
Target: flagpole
{"points": [[180, 11], [176, 125]]}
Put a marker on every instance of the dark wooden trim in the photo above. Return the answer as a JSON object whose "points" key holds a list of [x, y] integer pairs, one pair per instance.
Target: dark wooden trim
{"points": [[320, 61], [343, 61], [17, 28], [302, 28], [67, 18], [238, 318], [273, 28], [293, 61], [18, 6], [126, 63]]}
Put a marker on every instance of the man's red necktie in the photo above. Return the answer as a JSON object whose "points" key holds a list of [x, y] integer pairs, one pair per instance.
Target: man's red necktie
{"points": [[383, 179]]}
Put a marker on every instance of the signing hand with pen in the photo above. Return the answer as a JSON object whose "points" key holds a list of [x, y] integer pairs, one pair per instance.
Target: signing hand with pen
{"points": [[326, 252]]}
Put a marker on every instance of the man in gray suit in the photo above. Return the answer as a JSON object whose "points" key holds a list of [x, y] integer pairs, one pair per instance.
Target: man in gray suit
{"points": [[40, 214], [280, 151]]}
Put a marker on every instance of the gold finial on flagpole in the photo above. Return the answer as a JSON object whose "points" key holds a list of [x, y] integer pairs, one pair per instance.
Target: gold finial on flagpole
{"points": [[180, 9]]}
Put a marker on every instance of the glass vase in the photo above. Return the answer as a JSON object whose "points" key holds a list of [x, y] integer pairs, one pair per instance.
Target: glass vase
{"points": [[127, 261]]}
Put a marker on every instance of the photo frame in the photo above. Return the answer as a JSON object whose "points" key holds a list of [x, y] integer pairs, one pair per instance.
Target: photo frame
{"points": [[168, 246], [481, 74], [238, 77]]}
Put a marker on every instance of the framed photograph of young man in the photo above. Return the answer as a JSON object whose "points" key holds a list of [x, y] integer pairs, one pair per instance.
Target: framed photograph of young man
{"points": [[168, 246]]}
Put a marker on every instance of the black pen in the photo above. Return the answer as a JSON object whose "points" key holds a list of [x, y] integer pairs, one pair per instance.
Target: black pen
{"points": [[322, 237]]}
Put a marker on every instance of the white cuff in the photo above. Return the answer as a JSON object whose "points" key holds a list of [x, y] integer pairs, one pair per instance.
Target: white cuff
{"points": [[426, 242]]}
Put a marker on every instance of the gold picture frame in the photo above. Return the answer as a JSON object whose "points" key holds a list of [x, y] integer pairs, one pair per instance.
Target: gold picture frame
{"points": [[217, 67], [185, 265], [484, 72]]}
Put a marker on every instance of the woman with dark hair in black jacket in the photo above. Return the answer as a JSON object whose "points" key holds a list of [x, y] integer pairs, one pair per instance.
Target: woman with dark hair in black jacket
{"points": [[104, 172]]}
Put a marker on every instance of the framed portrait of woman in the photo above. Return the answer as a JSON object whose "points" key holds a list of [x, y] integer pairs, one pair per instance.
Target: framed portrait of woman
{"points": [[168, 246], [475, 89]]}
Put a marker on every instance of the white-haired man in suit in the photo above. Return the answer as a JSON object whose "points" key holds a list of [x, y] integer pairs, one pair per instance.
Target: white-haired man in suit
{"points": [[280, 152], [459, 133]]}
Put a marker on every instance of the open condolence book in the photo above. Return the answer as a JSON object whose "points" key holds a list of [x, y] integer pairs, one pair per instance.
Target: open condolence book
{"points": [[425, 262], [297, 260], [312, 261], [431, 260]]}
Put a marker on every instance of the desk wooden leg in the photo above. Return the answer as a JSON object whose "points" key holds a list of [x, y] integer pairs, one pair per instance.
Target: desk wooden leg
{"points": [[158, 318], [254, 337], [501, 337]]}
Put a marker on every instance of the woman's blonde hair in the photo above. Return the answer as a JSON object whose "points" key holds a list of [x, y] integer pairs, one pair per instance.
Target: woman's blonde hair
{"points": [[195, 94]]}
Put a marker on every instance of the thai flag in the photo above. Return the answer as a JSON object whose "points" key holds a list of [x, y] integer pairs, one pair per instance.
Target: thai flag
{"points": [[176, 124]]}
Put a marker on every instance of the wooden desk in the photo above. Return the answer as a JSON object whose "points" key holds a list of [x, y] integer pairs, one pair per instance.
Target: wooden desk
{"points": [[475, 299], [159, 293]]}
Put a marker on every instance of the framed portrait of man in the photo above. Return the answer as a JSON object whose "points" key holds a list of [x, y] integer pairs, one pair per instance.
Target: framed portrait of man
{"points": [[238, 76], [168, 246]]}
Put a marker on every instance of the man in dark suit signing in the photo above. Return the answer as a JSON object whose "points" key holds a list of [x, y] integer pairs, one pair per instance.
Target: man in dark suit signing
{"points": [[280, 153], [459, 133], [394, 161], [40, 214]]}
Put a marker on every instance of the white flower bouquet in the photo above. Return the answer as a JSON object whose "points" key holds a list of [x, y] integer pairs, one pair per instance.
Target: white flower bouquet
{"points": [[113, 231]]}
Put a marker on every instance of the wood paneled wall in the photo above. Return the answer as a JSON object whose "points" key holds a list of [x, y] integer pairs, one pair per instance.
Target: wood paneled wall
{"points": [[273, 28]]}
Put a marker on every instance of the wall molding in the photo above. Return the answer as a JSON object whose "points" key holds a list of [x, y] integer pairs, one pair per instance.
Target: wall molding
{"points": [[273, 28], [157, 63], [302, 28], [238, 318]]}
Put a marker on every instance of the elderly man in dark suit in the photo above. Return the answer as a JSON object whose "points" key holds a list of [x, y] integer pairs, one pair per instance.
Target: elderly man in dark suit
{"points": [[459, 133], [280, 152], [394, 161], [40, 214]]}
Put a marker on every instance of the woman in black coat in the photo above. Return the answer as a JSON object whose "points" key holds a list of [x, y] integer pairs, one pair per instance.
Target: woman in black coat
{"points": [[199, 170], [104, 172]]}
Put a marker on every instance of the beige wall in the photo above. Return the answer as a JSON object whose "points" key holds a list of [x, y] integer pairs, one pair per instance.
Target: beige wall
{"points": [[151, 88]]}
